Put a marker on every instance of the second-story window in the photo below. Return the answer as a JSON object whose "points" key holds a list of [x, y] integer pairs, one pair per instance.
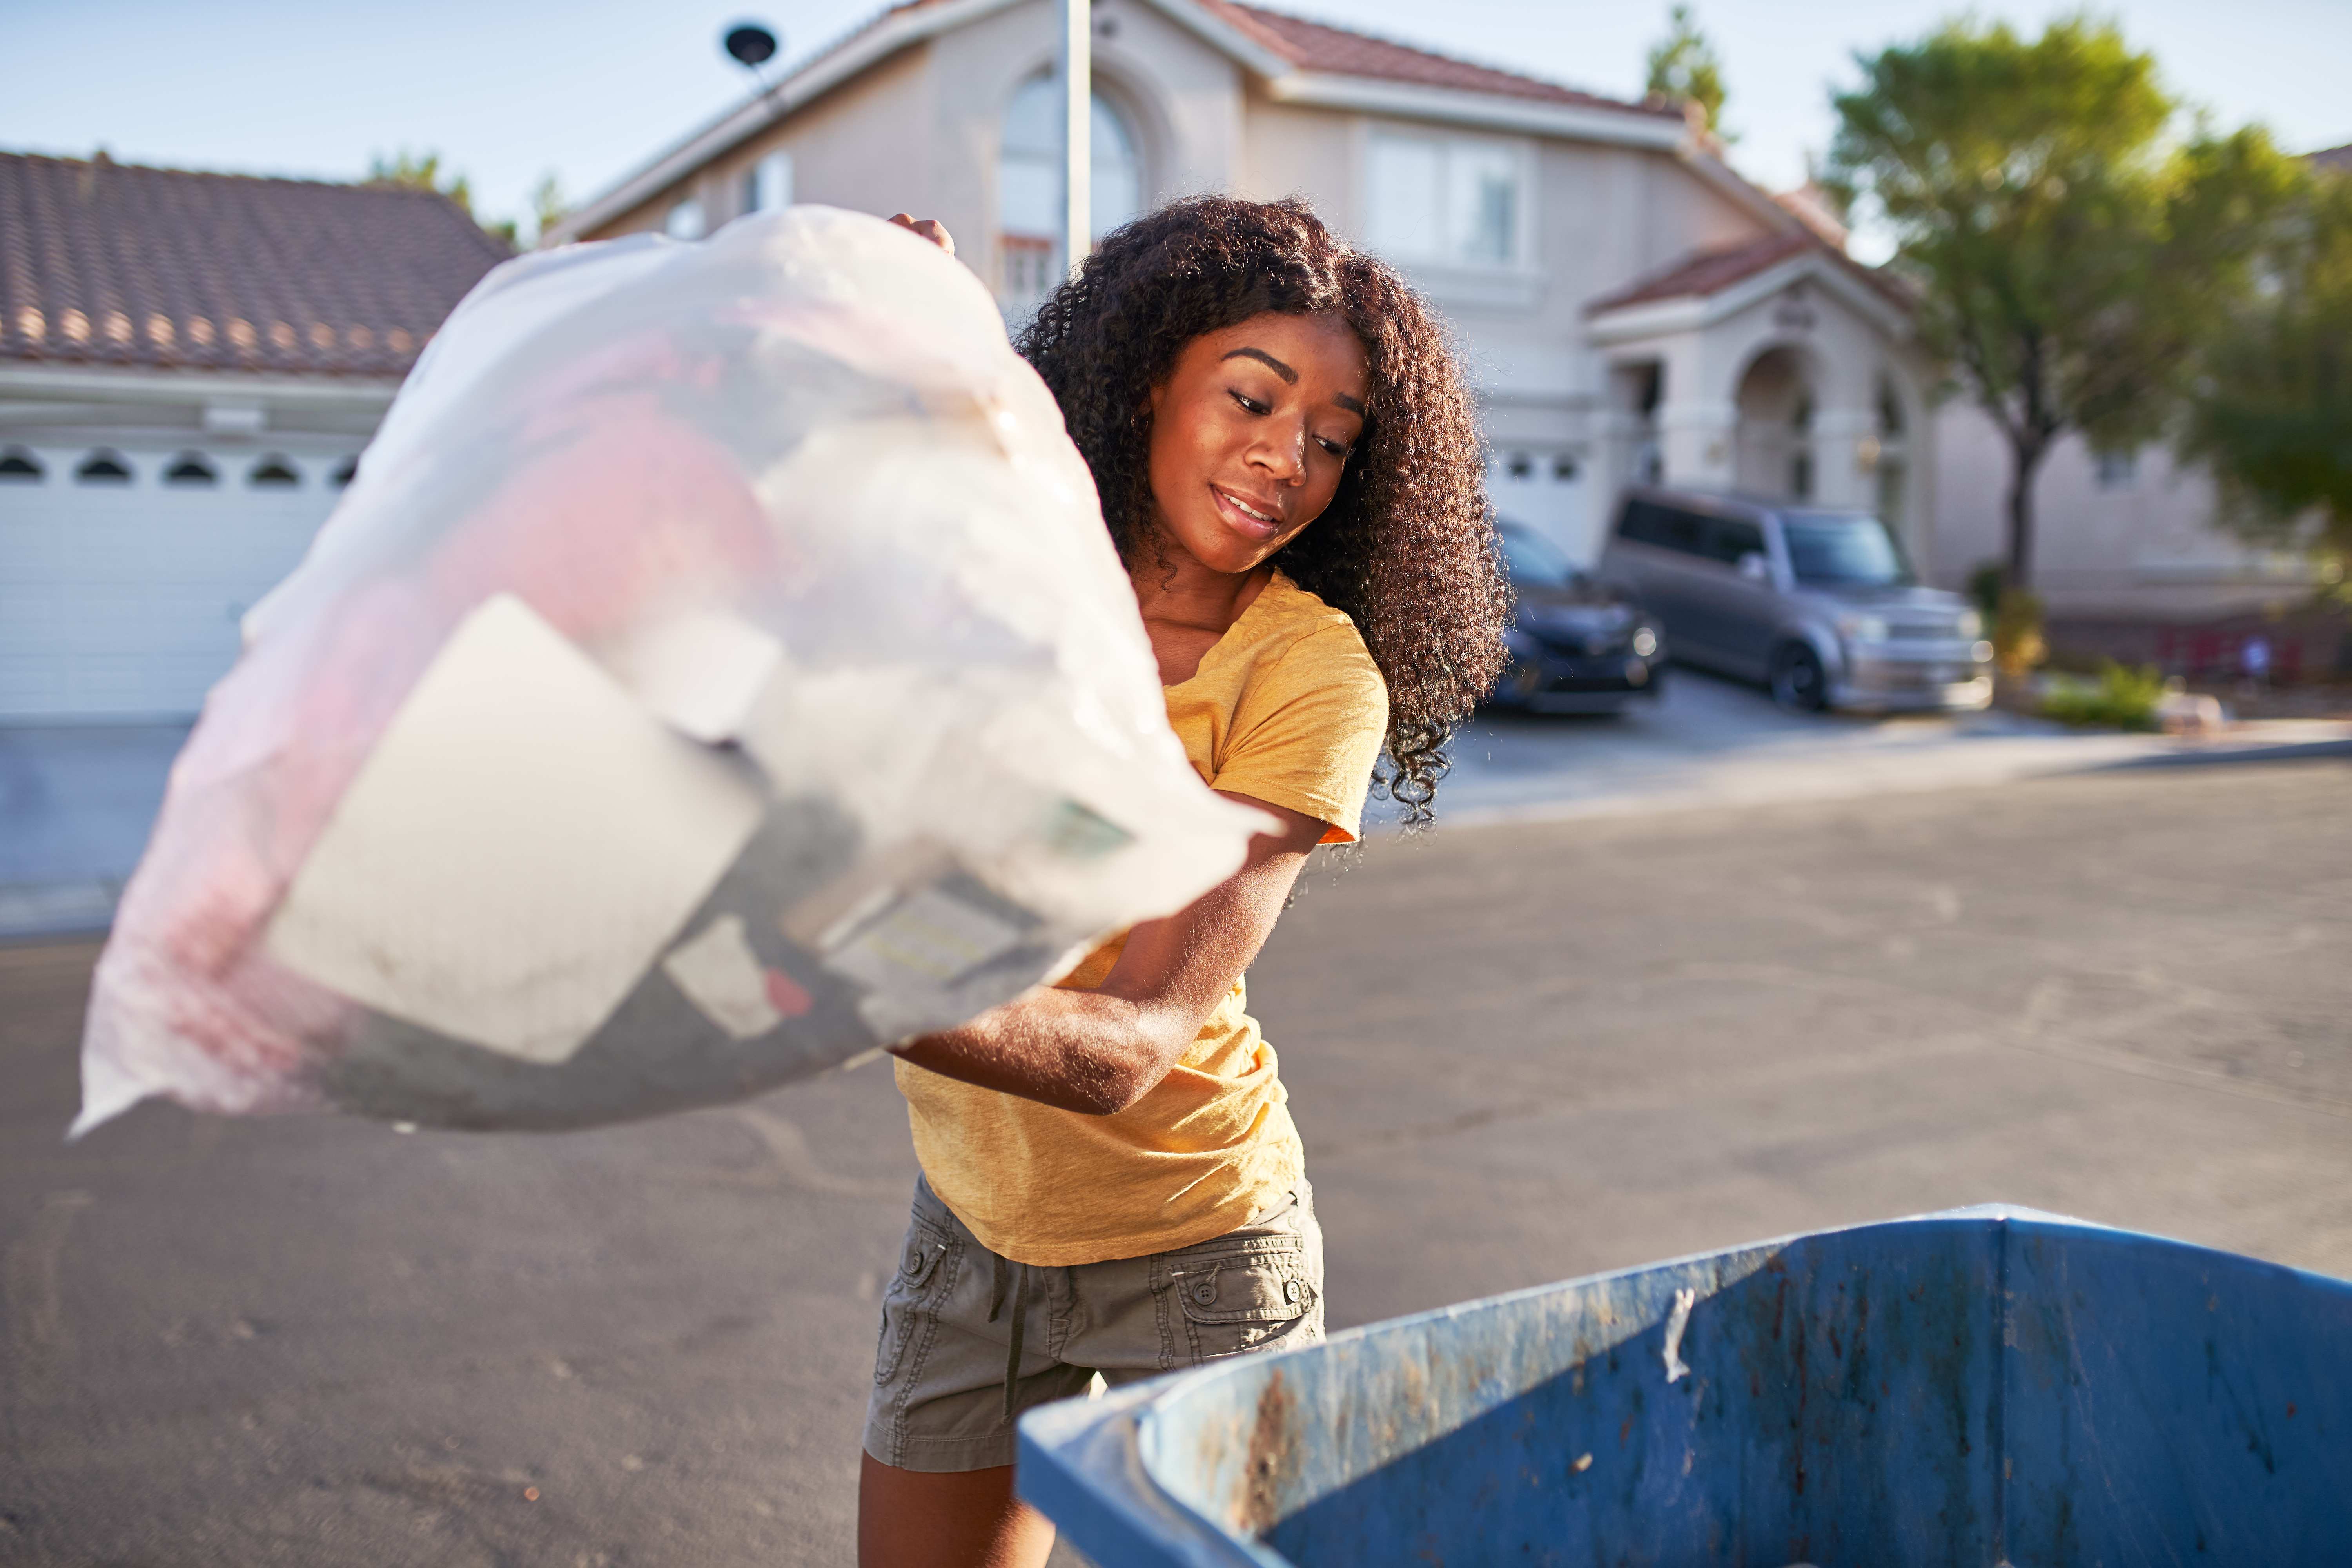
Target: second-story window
{"points": [[684, 220], [1029, 188], [1450, 201]]}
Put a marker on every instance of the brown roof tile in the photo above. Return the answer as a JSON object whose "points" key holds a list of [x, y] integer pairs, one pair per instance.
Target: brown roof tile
{"points": [[105, 263], [1316, 46], [1705, 272]]}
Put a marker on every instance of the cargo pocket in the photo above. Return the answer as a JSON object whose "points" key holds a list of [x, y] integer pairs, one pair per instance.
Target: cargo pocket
{"points": [[921, 1269], [1244, 1298]]}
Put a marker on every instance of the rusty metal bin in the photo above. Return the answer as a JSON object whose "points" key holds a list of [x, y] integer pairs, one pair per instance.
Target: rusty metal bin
{"points": [[1983, 1386]]}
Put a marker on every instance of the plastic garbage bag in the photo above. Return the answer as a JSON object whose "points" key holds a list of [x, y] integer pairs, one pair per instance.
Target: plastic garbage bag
{"points": [[718, 670]]}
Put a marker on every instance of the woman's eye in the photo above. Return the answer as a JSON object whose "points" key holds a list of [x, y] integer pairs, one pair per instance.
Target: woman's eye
{"points": [[1251, 404], [1336, 449]]}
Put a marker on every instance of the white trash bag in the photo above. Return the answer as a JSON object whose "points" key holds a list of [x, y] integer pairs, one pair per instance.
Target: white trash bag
{"points": [[718, 670]]}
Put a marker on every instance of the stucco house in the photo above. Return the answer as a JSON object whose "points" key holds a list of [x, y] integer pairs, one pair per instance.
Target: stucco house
{"points": [[1629, 305], [190, 364]]}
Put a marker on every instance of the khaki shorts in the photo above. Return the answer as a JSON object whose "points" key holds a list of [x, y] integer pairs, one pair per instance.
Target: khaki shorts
{"points": [[942, 1371]]}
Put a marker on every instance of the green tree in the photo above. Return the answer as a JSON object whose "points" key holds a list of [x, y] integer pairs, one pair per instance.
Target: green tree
{"points": [[2272, 415], [548, 204], [2072, 245], [1684, 68], [411, 172]]}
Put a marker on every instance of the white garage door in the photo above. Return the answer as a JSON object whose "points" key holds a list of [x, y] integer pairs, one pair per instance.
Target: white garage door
{"points": [[124, 570], [1543, 488]]}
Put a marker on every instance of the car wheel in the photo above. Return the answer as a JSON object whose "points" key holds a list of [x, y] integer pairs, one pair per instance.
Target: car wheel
{"points": [[1799, 684]]}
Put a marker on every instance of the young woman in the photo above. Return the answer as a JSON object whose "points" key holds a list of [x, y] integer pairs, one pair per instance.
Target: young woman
{"points": [[1111, 1183]]}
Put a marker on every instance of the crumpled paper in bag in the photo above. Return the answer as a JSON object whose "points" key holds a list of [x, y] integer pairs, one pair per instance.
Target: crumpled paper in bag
{"points": [[718, 670]]}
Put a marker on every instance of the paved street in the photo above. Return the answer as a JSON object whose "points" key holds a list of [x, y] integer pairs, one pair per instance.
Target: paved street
{"points": [[1516, 1054], [76, 801]]}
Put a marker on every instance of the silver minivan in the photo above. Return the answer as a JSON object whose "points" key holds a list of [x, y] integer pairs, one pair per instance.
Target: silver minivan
{"points": [[1817, 603]]}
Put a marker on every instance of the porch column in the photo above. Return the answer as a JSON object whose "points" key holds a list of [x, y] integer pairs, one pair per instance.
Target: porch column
{"points": [[1695, 441], [1845, 448]]}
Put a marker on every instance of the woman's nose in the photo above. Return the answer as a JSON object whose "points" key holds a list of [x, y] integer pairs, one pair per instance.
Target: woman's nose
{"points": [[1282, 455]]}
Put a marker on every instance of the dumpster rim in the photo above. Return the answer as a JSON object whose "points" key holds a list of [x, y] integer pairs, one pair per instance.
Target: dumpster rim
{"points": [[1048, 1433]]}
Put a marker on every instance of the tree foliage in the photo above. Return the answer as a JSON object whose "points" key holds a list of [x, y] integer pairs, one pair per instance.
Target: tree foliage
{"points": [[2072, 248], [548, 203], [1684, 68], [411, 171], [2272, 415]]}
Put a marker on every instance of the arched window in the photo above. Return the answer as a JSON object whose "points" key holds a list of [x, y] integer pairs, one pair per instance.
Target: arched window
{"points": [[273, 472], [103, 468], [1029, 187], [190, 469], [20, 466]]}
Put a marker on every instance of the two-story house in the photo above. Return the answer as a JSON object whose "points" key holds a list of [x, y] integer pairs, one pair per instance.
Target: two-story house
{"points": [[1629, 306]]}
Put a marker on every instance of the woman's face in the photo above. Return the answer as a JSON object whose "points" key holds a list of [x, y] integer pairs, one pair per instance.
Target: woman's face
{"points": [[1250, 433]]}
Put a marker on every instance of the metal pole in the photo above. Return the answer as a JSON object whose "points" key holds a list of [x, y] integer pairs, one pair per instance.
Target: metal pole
{"points": [[1076, 52]]}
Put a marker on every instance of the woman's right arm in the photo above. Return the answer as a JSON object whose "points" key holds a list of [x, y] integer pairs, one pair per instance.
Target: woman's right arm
{"points": [[1098, 1052]]}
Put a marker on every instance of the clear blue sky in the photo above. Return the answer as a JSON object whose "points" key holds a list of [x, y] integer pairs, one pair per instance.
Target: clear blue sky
{"points": [[508, 90]]}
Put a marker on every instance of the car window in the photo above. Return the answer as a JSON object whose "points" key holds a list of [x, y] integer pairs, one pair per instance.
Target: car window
{"points": [[1533, 560], [1647, 522], [1731, 540], [1827, 550]]}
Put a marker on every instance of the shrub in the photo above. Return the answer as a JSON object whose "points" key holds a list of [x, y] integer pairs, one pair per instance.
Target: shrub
{"points": [[2124, 698], [2017, 644]]}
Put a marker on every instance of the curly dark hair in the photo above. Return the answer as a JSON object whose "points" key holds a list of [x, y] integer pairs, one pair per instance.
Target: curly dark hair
{"points": [[1407, 548]]}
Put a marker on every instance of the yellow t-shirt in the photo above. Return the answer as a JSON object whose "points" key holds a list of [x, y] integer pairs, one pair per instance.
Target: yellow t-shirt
{"points": [[1288, 708]]}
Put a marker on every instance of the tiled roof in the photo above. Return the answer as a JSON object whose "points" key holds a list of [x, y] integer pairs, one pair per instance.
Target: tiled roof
{"points": [[1318, 46], [105, 263], [1708, 272], [1315, 46]]}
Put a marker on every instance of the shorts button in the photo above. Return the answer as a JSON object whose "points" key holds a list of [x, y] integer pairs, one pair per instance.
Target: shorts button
{"points": [[1290, 1290], [1204, 1294]]}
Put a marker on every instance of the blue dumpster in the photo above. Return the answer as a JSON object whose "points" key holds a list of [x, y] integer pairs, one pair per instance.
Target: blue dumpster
{"points": [[1984, 1386]]}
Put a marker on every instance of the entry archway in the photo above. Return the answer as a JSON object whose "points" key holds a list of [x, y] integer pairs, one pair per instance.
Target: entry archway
{"points": [[1773, 444]]}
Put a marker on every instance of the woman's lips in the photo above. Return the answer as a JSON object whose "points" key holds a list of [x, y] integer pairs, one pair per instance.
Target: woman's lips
{"points": [[1243, 519]]}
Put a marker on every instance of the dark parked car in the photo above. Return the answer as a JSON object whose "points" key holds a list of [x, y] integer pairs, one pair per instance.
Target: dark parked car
{"points": [[1818, 604], [1578, 646]]}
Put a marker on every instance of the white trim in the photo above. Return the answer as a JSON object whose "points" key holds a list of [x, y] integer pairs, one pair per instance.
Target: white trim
{"points": [[1493, 112], [1218, 34], [1477, 287], [116, 385], [1691, 312], [1731, 181], [893, 31]]}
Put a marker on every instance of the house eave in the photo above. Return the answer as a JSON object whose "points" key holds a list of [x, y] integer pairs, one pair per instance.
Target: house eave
{"points": [[1693, 313], [24, 381], [892, 33], [1221, 36], [1729, 182], [1494, 111]]}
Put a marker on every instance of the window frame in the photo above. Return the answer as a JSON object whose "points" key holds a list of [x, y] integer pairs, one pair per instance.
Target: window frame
{"points": [[1450, 265], [1016, 248]]}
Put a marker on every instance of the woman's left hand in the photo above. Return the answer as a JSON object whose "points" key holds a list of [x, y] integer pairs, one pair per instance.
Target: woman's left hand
{"points": [[929, 228]]}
